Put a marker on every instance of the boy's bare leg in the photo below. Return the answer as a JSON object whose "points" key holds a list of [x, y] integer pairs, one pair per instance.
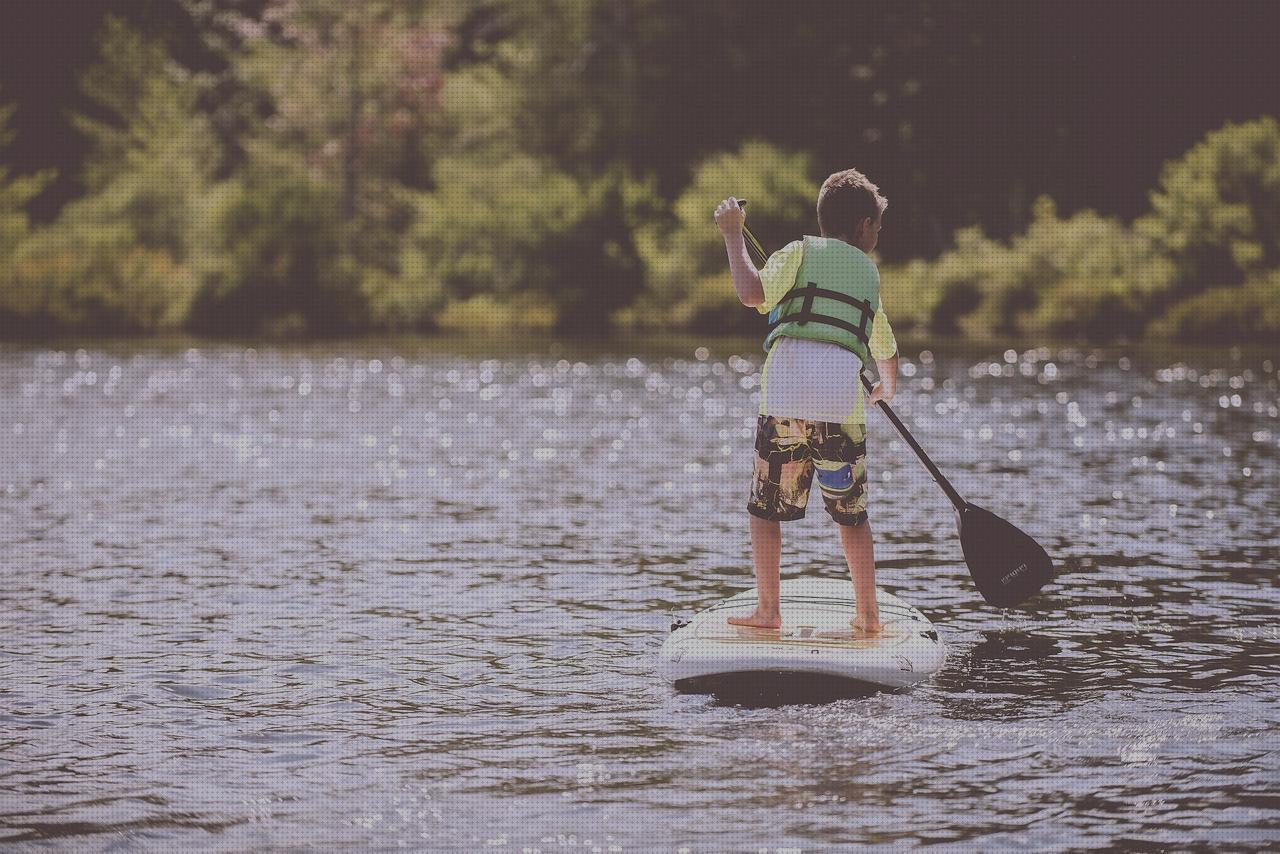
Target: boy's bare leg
{"points": [[766, 551], [860, 556]]}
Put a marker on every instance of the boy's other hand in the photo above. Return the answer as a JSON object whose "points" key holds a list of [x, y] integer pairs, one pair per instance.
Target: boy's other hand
{"points": [[730, 217], [879, 393]]}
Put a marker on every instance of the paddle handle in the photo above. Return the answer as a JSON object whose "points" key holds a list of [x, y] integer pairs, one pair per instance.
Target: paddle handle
{"points": [[938, 477]]}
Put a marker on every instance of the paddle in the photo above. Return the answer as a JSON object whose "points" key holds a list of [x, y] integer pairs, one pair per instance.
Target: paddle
{"points": [[1008, 567]]}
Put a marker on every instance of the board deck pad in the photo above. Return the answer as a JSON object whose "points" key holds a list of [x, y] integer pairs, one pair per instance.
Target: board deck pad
{"points": [[894, 632]]}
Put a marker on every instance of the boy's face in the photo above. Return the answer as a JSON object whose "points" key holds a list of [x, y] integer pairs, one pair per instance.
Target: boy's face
{"points": [[867, 234]]}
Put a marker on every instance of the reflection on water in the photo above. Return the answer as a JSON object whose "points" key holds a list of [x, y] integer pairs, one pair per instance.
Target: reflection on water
{"points": [[366, 596]]}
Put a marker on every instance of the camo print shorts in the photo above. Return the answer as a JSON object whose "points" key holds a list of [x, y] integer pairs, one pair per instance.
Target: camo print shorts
{"points": [[789, 451]]}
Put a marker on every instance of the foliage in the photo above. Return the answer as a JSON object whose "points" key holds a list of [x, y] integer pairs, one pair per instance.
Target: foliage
{"points": [[1216, 210], [497, 318], [521, 224], [277, 260], [354, 87], [94, 280], [1215, 220], [313, 234], [116, 260], [1227, 314], [135, 89], [15, 193], [1085, 276], [684, 255], [489, 165]]}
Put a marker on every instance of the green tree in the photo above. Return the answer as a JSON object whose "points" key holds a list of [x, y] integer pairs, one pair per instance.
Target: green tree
{"points": [[153, 155], [1226, 315], [688, 283], [1216, 211], [517, 227], [333, 175], [19, 300], [530, 203], [1083, 276], [355, 88], [121, 257], [276, 263], [15, 193]]}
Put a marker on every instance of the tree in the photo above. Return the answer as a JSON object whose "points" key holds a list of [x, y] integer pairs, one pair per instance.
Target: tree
{"points": [[120, 258], [18, 300], [1216, 211], [329, 183], [354, 87], [15, 193], [687, 277]]}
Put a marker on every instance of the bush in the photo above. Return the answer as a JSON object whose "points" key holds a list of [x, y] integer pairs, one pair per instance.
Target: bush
{"points": [[1215, 220], [1083, 276], [687, 283], [278, 257], [1216, 211], [487, 315], [1226, 315], [520, 224], [93, 282]]}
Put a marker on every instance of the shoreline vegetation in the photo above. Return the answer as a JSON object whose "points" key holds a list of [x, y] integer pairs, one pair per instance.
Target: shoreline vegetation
{"points": [[439, 195]]}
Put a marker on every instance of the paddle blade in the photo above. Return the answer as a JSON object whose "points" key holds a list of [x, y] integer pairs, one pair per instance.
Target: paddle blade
{"points": [[1007, 566]]}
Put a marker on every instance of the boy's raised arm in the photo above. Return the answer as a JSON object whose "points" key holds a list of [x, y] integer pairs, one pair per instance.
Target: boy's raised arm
{"points": [[746, 278]]}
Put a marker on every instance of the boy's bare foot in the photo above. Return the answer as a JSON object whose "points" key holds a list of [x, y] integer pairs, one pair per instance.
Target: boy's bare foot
{"points": [[869, 627], [760, 620]]}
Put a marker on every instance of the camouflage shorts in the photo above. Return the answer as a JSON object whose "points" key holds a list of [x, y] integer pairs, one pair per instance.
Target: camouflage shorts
{"points": [[790, 450]]}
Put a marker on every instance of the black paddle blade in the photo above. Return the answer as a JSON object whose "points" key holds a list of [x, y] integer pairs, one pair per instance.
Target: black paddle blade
{"points": [[1007, 566]]}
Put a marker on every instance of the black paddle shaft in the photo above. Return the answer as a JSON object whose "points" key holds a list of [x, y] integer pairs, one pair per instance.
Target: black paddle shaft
{"points": [[1008, 566], [938, 477]]}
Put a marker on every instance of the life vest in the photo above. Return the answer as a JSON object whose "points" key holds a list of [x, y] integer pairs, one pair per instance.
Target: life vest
{"points": [[834, 299]]}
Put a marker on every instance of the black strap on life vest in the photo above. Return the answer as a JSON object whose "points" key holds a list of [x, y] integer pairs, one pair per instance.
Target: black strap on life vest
{"points": [[806, 312]]}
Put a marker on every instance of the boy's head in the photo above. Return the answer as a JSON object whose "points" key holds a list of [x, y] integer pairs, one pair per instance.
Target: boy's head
{"points": [[849, 208]]}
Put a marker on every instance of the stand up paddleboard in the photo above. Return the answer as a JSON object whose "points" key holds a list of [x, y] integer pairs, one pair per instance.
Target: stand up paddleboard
{"points": [[816, 640]]}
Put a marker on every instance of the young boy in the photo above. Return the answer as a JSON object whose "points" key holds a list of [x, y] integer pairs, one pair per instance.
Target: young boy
{"points": [[822, 295]]}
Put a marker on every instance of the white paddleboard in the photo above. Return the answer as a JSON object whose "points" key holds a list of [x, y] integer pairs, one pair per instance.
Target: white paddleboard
{"points": [[815, 639]]}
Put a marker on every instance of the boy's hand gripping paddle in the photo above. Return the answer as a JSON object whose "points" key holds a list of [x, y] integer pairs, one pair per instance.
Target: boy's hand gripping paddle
{"points": [[1008, 567]]}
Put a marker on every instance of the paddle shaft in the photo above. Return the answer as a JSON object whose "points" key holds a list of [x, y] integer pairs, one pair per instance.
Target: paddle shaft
{"points": [[938, 477]]}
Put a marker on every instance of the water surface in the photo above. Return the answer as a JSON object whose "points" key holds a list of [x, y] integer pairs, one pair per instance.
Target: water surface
{"points": [[394, 595]]}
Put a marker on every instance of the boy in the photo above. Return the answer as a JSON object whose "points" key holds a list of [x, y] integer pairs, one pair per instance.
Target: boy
{"points": [[822, 295]]}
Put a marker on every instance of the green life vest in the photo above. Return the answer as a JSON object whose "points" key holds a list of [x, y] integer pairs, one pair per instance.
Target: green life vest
{"points": [[834, 299]]}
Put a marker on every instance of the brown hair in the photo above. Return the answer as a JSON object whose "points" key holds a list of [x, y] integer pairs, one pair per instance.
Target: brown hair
{"points": [[845, 198]]}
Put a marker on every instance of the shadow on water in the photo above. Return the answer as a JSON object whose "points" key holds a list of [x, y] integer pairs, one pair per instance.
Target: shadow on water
{"points": [[1001, 651], [1008, 669], [773, 690]]}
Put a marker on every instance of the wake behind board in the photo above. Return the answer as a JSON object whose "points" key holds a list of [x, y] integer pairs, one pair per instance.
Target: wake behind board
{"points": [[815, 641]]}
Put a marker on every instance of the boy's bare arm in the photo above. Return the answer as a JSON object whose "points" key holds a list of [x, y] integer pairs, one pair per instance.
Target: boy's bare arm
{"points": [[888, 385], [746, 278]]}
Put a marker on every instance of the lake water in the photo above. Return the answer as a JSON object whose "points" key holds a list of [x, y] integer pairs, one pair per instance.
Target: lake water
{"points": [[384, 595]]}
